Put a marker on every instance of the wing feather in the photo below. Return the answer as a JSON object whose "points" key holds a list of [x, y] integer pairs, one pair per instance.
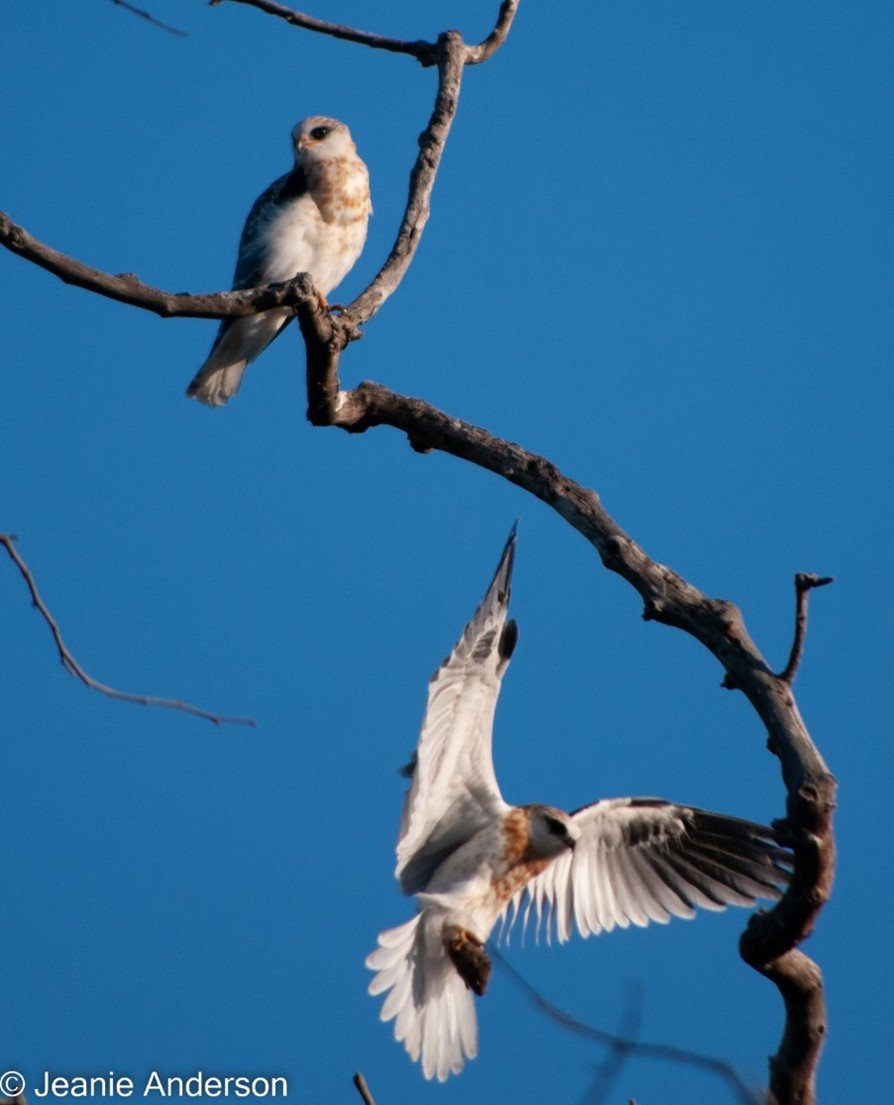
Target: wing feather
{"points": [[642, 859], [454, 791], [251, 258]]}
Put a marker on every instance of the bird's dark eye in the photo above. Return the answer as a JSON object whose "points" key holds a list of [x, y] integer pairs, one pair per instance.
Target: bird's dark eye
{"points": [[556, 827], [319, 133]]}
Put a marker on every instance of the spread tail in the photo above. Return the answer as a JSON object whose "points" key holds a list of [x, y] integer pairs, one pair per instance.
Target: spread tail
{"points": [[432, 1008]]}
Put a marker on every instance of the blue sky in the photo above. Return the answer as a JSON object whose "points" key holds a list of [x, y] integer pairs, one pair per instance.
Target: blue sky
{"points": [[660, 253]]}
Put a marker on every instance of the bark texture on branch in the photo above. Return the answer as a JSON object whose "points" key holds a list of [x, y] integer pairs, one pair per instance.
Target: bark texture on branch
{"points": [[127, 288]]}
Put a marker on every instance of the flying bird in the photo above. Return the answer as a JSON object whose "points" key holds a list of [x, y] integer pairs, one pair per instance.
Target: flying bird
{"points": [[470, 858], [311, 220]]}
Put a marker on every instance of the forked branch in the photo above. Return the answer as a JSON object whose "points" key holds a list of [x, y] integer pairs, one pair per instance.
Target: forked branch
{"points": [[424, 52], [74, 668], [770, 941], [450, 54]]}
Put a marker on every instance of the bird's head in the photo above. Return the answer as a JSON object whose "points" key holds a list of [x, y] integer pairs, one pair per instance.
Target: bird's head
{"points": [[552, 831], [319, 138]]}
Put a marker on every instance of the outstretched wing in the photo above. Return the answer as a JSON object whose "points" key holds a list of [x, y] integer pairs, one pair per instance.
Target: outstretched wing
{"points": [[454, 790], [642, 859]]}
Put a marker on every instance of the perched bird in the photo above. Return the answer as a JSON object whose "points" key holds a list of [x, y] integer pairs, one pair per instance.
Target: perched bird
{"points": [[468, 856], [311, 220]]}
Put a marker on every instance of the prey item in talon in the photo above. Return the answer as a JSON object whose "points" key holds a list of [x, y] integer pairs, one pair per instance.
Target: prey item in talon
{"points": [[469, 958]]}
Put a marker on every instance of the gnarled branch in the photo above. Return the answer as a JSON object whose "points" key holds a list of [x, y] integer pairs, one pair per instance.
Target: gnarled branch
{"points": [[770, 939], [127, 288], [424, 52], [450, 54]]}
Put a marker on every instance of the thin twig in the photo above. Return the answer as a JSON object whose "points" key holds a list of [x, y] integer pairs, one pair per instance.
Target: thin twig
{"points": [[363, 1089], [720, 1067], [804, 584], [608, 1071], [74, 668], [150, 18]]}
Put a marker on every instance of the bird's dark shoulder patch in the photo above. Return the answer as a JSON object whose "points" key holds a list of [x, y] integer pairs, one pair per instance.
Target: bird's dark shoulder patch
{"points": [[508, 639], [293, 185]]}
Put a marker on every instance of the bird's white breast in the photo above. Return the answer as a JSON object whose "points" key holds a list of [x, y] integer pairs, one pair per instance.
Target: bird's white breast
{"points": [[321, 232]]}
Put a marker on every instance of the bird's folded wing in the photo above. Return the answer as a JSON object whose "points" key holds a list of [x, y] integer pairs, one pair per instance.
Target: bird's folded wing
{"points": [[454, 790], [251, 258], [642, 859]]}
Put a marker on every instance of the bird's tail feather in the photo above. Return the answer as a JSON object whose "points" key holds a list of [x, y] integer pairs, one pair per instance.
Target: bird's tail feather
{"points": [[432, 1009], [214, 384], [238, 343]]}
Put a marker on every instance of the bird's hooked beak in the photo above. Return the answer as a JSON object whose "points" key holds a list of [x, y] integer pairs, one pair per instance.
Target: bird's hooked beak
{"points": [[573, 836], [302, 143]]}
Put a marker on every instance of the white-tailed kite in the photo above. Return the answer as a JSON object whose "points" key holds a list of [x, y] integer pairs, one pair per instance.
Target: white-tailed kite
{"points": [[311, 220], [469, 857]]}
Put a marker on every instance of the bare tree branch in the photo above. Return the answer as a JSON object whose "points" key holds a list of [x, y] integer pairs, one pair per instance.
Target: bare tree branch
{"points": [[126, 288], [74, 668], [769, 941], [627, 1043], [150, 18], [477, 54], [363, 1089], [804, 583], [422, 51], [609, 1070], [451, 53]]}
